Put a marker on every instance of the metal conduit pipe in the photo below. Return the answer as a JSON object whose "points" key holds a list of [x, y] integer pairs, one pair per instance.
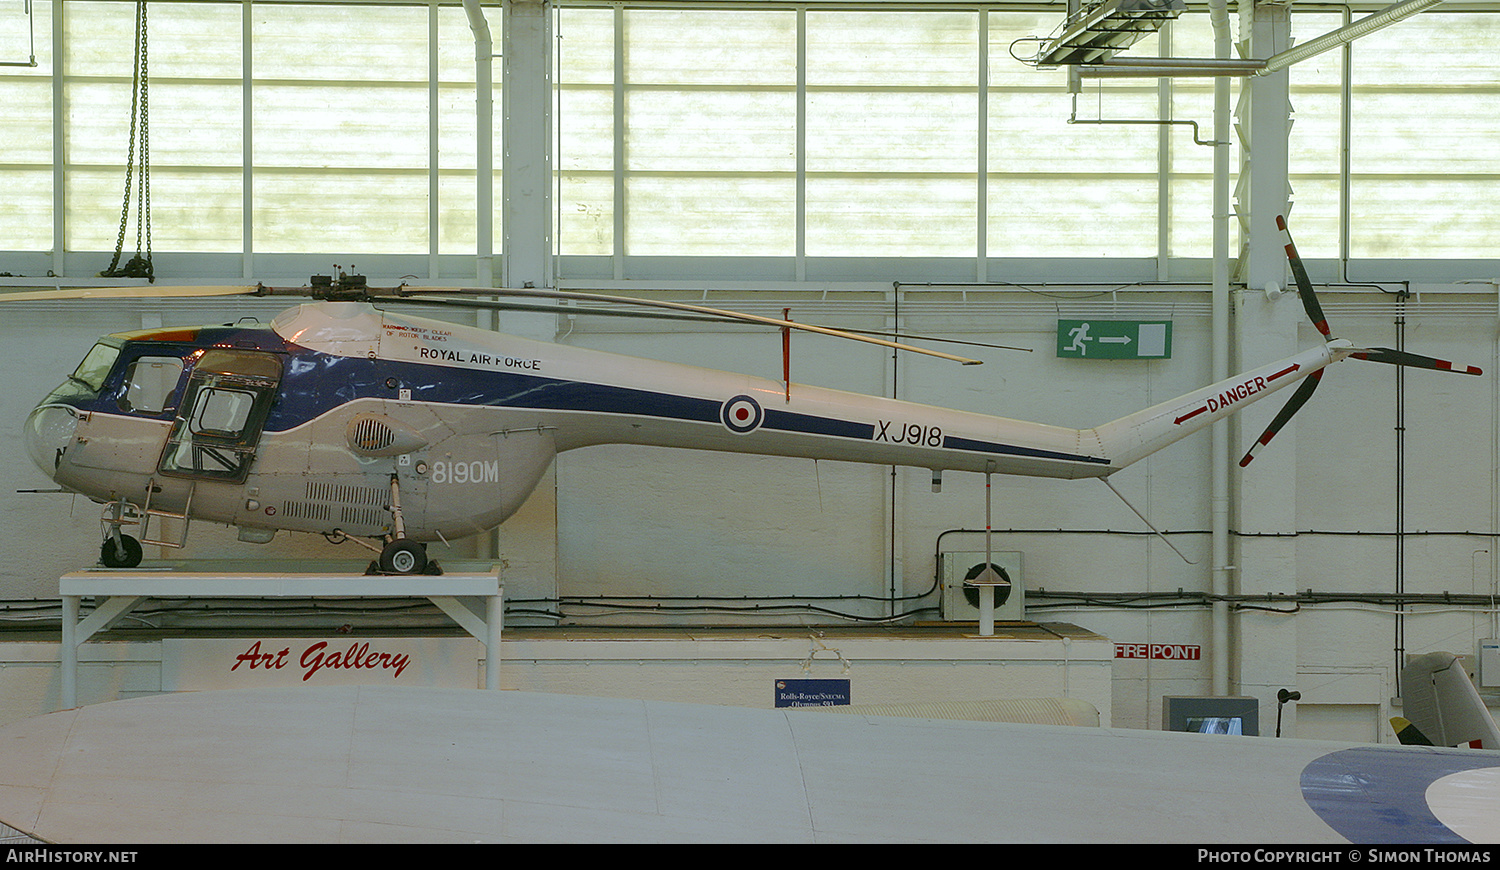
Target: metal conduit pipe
{"points": [[1219, 458], [1494, 547], [484, 165], [484, 173]]}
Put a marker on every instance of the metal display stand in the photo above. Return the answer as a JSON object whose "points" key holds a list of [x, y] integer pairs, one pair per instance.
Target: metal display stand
{"points": [[473, 600]]}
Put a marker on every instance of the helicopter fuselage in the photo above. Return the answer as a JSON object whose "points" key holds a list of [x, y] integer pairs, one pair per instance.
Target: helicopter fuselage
{"points": [[343, 419]]}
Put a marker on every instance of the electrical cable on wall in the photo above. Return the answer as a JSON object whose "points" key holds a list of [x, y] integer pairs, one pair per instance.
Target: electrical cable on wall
{"points": [[140, 265]]}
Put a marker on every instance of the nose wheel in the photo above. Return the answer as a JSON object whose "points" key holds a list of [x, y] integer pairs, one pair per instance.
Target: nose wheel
{"points": [[120, 551]]}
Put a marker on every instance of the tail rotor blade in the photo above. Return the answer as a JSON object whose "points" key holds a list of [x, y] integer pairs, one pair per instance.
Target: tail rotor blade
{"points": [[1402, 358], [1293, 405], [1304, 285], [1337, 351]]}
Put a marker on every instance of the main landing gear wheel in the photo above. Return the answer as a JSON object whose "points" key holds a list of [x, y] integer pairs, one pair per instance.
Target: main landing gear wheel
{"points": [[121, 552], [403, 556]]}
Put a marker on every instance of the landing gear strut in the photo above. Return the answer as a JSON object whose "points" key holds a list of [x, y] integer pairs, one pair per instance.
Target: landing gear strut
{"points": [[401, 554], [119, 550]]}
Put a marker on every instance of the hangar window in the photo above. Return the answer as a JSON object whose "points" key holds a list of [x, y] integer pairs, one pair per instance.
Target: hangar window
{"points": [[762, 133], [835, 134]]}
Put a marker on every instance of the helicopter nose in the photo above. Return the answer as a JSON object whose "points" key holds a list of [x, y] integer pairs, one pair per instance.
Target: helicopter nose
{"points": [[49, 430]]}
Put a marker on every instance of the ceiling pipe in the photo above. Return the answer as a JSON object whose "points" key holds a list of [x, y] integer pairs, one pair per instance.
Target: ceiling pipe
{"points": [[1345, 35], [484, 147], [1170, 67]]}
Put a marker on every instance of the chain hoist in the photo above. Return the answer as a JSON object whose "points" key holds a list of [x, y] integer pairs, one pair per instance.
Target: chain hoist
{"points": [[138, 266]]}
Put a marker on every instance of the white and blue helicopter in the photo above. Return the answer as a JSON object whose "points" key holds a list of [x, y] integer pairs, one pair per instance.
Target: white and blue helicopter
{"points": [[343, 419]]}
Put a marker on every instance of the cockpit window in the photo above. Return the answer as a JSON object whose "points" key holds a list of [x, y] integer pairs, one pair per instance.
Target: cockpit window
{"points": [[96, 365]]}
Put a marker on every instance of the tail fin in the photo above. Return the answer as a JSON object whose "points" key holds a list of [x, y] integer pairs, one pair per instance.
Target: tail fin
{"points": [[1407, 733], [1443, 705]]}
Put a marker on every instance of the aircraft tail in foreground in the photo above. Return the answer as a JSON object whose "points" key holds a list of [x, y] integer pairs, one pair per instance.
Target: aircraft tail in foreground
{"points": [[1442, 706]]}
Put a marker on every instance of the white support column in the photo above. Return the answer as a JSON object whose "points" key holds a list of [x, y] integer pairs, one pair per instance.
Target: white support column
{"points": [[1268, 324], [1267, 192], [528, 540], [526, 143], [1220, 450], [59, 143], [68, 657]]}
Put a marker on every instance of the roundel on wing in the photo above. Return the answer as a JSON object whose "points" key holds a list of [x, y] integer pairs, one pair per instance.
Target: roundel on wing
{"points": [[1382, 794], [741, 414]]}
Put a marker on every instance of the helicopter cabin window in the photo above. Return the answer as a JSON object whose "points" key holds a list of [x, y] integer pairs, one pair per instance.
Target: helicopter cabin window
{"points": [[228, 397], [150, 383], [221, 413]]}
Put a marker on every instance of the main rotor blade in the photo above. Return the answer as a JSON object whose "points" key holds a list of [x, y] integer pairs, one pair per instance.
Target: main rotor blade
{"points": [[131, 292], [543, 308], [909, 337], [406, 294], [1304, 285], [539, 293], [1293, 405], [495, 305], [1402, 358]]}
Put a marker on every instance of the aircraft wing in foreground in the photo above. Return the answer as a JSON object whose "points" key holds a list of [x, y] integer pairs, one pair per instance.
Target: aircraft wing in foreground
{"points": [[381, 764]]}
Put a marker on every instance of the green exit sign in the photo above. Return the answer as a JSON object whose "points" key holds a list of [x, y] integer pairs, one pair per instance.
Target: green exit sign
{"points": [[1114, 339]]}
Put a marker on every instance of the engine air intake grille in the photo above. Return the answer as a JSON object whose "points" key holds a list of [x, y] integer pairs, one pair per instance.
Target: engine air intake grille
{"points": [[371, 435]]}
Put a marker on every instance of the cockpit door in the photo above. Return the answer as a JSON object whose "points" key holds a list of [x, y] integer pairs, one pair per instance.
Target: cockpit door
{"points": [[218, 426]]}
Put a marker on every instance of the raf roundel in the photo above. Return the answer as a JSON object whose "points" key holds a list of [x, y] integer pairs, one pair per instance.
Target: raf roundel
{"points": [[741, 414]]}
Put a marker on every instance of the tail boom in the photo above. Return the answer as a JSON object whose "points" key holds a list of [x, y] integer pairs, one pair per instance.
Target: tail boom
{"points": [[1134, 437]]}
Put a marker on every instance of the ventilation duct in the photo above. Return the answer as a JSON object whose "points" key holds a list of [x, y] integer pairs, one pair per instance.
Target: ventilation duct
{"points": [[961, 600]]}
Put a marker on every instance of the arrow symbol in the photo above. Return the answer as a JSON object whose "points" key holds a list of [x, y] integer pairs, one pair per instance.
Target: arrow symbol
{"points": [[1190, 415], [1115, 339]]}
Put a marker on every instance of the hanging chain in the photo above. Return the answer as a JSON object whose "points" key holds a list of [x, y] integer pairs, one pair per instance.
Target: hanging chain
{"points": [[139, 266]]}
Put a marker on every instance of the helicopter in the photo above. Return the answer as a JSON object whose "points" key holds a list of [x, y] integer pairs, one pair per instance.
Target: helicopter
{"points": [[355, 422]]}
